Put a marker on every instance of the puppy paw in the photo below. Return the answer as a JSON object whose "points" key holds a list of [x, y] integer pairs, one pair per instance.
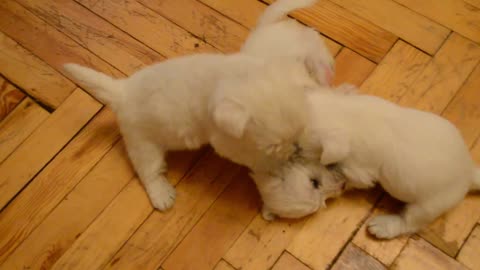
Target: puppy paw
{"points": [[387, 226], [162, 194], [267, 215]]}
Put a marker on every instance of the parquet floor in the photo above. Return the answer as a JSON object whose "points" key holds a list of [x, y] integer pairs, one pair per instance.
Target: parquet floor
{"points": [[69, 198]]}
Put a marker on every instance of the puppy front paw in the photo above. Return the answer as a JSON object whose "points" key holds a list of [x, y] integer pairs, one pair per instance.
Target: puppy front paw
{"points": [[386, 226], [162, 195], [267, 215]]}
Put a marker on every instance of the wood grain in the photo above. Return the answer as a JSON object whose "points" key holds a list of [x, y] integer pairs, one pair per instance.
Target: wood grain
{"points": [[10, 97], [288, 262], [75, 212], [18, 125], [444, 75], [46, 42], [469, 253], [202, 21], [459, 16], [350, 30], [325, 233], [398, 70], [56, 180], [219, 227], [262, 243], [353, 258], [109, 230], [147, 26], [151, 243], [44, 143], [352, 68], [34, 76], [416, 30], [246, 12], [93, 33], [222, 265], [464, 110], [418, 254]]}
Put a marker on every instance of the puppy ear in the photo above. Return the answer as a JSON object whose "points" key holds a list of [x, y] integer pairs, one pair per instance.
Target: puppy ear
{"points": [[231, 117]]}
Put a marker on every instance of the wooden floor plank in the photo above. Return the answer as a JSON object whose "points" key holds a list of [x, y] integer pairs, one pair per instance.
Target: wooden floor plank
{"points": [[263, 242], [475, 3], [418, 254], [151, 243], [93, 33], [469, 253], [288, 262], [444, 75], [457, 15], [350, 30], [149, 27], [56, 180], [18, 125], [10, 97], [351, 68], [202, 21], [223, 265], [232, 9], [30, 157], [401, 21], [464, 109], [398, 70], [44, 246], [107, 233], [32, 74], [246, 12], [38, 37], [219, 227], [325, 233], [353, 258]]}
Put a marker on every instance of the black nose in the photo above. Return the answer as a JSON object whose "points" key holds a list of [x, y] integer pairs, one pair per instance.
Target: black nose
{"points": [[315, 183]]}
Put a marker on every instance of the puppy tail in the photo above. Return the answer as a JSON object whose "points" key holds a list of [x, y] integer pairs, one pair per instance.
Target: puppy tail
{"points": [[280, 9], [103, 87], [476, 180]]}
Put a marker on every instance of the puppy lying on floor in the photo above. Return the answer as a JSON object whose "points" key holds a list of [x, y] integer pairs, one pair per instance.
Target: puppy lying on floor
{"points": [[359, 140]]}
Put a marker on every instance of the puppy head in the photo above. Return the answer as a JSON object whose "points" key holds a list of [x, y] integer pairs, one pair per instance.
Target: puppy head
{"points": [[258, 118], [296, 191]]}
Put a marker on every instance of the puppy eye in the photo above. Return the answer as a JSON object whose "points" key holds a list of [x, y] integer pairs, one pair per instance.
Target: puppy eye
{"points": [[315, 183]]}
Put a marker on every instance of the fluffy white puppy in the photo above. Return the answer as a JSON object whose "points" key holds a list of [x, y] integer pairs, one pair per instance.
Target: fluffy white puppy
{"points": [[187, 102], [417, 157], [278, 36]]}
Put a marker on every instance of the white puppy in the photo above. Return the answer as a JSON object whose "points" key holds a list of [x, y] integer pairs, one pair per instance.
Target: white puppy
{"points": [[417, 157], [187, 102], [278, 36]]}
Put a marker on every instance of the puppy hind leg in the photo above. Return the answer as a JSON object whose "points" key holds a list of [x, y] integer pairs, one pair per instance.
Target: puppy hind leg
{"points": [[414, 217], [149, 162]]}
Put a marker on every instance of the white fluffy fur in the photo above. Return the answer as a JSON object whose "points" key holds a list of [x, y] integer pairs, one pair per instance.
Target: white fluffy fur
{"points": [[417, 157], [186, 102], [277, 36]]}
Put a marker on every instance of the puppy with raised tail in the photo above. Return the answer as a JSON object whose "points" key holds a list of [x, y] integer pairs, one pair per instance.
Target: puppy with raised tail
{"points": [[417, 157], [277, 36]]}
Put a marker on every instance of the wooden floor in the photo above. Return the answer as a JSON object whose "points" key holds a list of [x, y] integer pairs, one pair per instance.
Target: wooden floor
{"points": [[69, 198]]}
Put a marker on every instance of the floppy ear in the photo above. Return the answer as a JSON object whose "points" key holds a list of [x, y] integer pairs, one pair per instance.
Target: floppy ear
{"points": [[231, 117]]}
